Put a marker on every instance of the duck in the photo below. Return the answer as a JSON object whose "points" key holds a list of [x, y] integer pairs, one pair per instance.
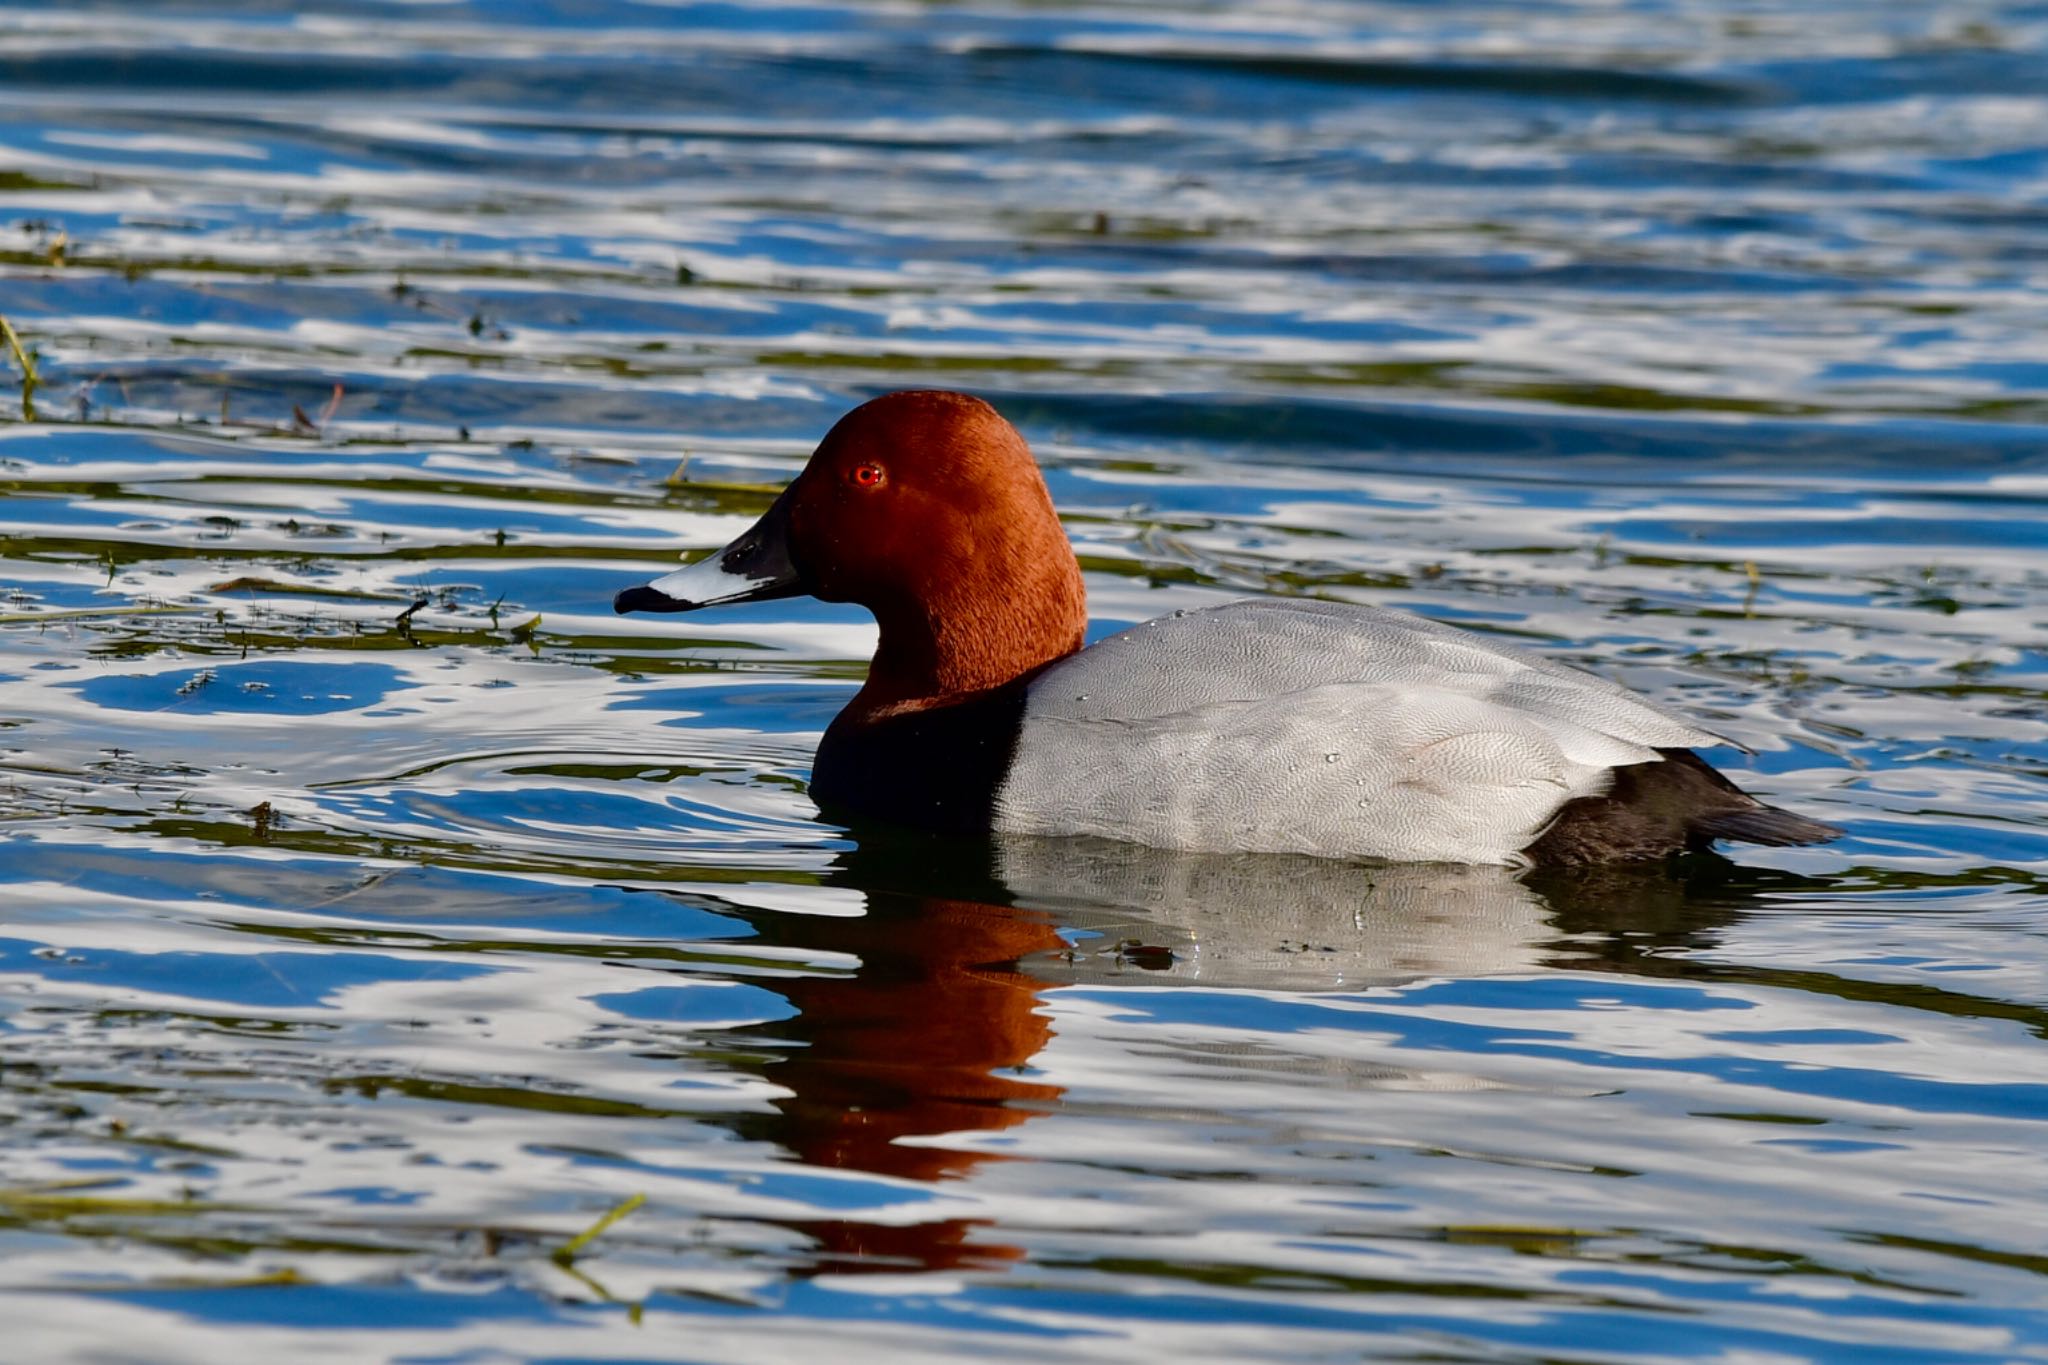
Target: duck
{"points": [[1268, 725]]}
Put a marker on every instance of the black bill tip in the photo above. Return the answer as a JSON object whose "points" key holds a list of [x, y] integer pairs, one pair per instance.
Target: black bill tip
{"points": [[645, 598]]}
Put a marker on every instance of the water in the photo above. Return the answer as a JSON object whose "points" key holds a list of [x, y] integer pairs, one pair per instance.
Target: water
{"points": [[355, 958]]}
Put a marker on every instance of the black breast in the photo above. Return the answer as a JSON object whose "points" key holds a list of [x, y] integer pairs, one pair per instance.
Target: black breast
{"points": [[935, 769]]}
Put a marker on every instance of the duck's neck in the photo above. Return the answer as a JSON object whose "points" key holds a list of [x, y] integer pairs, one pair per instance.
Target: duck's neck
{"points": [[965, 638]]}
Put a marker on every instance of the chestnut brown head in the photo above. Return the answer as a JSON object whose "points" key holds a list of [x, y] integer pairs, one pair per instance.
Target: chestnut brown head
{"points": [[925, 507]]}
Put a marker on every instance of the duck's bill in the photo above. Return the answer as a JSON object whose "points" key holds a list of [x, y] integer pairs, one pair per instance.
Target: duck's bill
{"points": [[754, 568]]}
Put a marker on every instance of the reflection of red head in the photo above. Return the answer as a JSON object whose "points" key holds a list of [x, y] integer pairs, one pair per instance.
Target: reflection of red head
{"points": [[918, 1044], [915, 1044]]}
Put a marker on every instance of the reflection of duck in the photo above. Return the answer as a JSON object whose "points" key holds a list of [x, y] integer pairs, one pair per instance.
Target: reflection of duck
{"points": [[1272, 920], [1278, 726], [933, 1034], [1275, 922]]}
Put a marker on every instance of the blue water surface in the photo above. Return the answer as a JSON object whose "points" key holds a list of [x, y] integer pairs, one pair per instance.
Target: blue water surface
{"points": [[405, 958]]}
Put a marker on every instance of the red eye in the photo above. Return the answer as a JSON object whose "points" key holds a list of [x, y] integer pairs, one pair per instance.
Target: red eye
{"points": [[868, 475]]}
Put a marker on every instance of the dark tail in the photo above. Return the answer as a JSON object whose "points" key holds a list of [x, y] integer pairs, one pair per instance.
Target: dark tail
{"points": [[1658, 808], [1765, 825]]}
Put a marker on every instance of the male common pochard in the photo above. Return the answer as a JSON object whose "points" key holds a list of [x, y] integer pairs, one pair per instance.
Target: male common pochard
{"points": [[1269, 726]]}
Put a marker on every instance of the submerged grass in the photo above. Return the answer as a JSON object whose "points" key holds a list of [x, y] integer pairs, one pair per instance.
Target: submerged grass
{"points": [[27, 366], [567, 1253]]}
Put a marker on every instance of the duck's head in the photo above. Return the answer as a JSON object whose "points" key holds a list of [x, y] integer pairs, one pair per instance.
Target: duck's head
{"points": [[926, 508]]}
